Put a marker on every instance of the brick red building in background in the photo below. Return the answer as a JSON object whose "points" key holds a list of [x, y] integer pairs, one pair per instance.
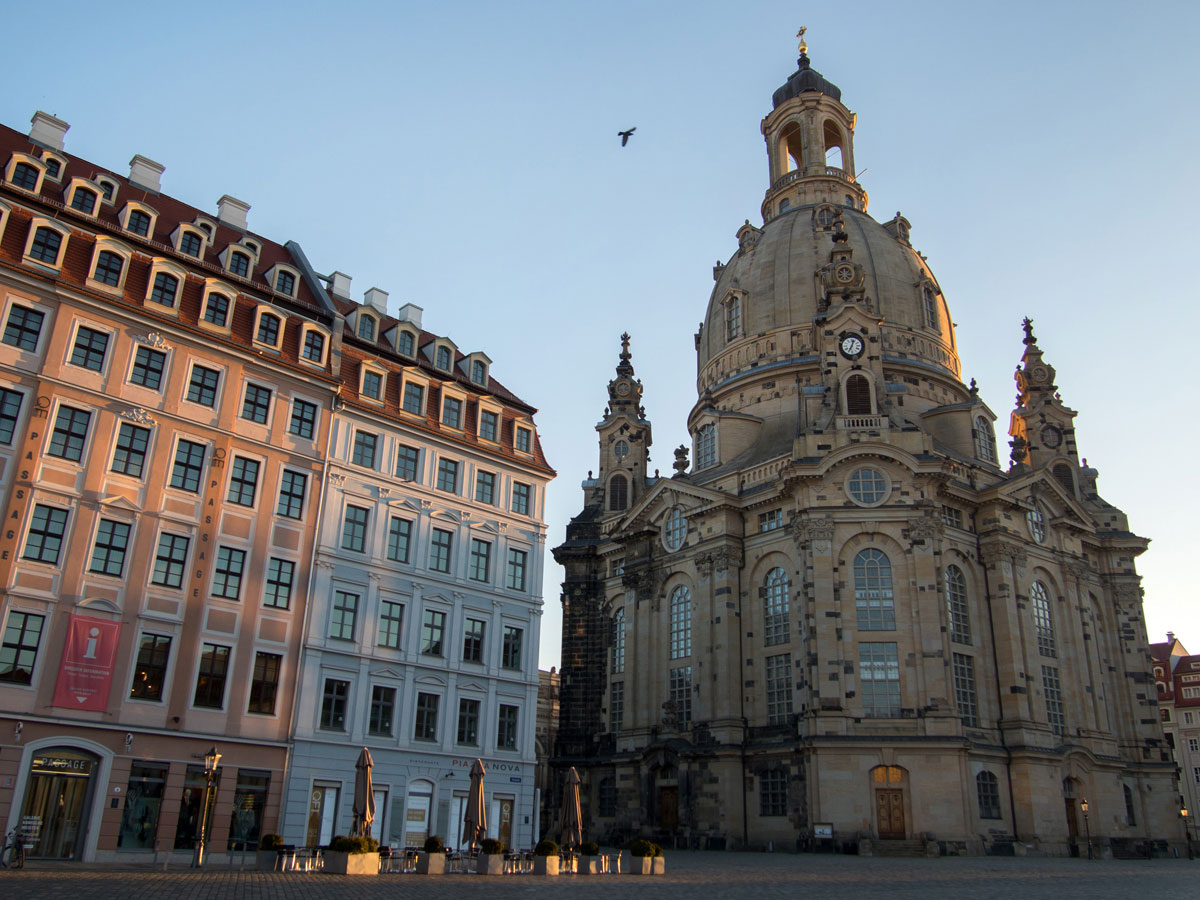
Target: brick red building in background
{"points": [[1177, 678]]}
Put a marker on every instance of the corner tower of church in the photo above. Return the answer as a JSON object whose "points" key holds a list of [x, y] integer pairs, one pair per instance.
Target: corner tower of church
{"points": [[846, 612]]}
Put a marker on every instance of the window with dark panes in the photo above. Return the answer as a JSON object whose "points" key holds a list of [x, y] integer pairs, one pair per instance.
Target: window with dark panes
{"points": [[256, 404], [383, 708], [304, 419], [515, 576], [216, 310], [468, 722], [506, 727], [264, 683], [520, 498], [239, 264], [70, 433], [10, 412], [139, 223], [414, 398], [399, 540], [433, 632], [18, 652], [285, 283], [479, 374], [188, 466], [406, 463], [268, 329], [170, 560], [143, 804], [772, 793], [510, 654], [524, 440], [150, 673], [23, 327], [489, 424], [90, 347], [391, 624], [479, 566], [452, 412], [210, 679], [84, 200], [363, 452], [108, 268], [46, 244], [473, 632], [425, 727], [366, 328], [202, 388], [227, 573], [44, 541], [108, 553], [243, 481], [354, 528], [129, 456], [443, 358], [280, 574], [292, 486], [314, 346], [343, 616], [406, 345], [333, 704], [372, 384], [25, 176], [447, 475], [439, 550], [148, 367], [191, 244], [165, 290], [485, 487]]}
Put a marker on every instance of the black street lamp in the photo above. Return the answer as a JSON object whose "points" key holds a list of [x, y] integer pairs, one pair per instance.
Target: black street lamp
{"points": [[1187, 833], [1083, 805], [211, 759]]}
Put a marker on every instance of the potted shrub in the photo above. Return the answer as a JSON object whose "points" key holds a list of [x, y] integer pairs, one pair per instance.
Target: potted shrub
{"points": [[267, 855], [433, 860], [545, 858], [643, 853], [355, 855], [589, 863], [491, 857]]}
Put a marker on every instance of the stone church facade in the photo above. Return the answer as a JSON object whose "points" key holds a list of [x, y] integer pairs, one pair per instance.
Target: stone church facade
{"points": [[843, 615]]}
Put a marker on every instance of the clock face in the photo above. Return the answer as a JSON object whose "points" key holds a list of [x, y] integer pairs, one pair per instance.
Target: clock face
{"points": [[844, 274], [623, 388], [851, 346], [1051, 436], [621, 449]]}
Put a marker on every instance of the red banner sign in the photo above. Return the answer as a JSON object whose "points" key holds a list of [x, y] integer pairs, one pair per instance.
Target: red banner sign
{"points": [[87, 665]]}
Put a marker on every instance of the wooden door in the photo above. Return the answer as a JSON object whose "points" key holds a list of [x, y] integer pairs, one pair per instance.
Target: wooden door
{"points": [[889, 810], [668, 808]]}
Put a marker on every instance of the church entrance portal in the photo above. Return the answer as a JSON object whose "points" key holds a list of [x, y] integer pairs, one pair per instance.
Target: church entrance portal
{"points": [[888, 783]]}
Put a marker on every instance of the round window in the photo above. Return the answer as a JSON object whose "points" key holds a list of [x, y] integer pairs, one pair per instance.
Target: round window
{"points": [[674, 529], [1036, 523], [868, 486]]}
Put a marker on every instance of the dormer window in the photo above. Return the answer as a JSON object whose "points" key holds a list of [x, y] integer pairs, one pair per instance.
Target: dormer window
{"points": [[109, 264], [165, 289], [45, 244], [452, 410], [443, 359], [371, 383], [26, 176], [489, 421], [985, 440], [108, 189], [285, 282], [191, 243], [138, 220], [523, 440], [406, 344], [314, 346], [252, 246], [84, 200], [269, 329], [239, 263], [412, 396], [366, 327], [53, 167], [207, 227], [706, 446], [216, 308]]}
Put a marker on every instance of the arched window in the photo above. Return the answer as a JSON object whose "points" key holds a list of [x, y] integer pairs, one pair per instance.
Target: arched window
{"points": [[366, 328], [1062, 474], [618, 643], [858, 396], [987, 791], [706, 446], [681, 623], [443, 358], [733, 318], [165, 290], [478, 372], [985, 440], [618, 493], [25, 176], [929, 305], [84, 200], [873, 599], [1042, 620], [834, 155], [406, 344], [45, 246], [792, 157], [956, 605], [776, 608], [108, 268], [1130, 819], [268, 329]]}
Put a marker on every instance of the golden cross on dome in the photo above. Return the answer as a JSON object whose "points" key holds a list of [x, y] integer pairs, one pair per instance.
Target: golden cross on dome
{"points": [[803, 43]]}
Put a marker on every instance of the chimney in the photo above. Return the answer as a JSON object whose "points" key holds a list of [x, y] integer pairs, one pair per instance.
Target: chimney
{"points": [[232, 211], [377, 300], [339, 285], [1170, 637], [410, 313], [146, 173], [47, 130]]}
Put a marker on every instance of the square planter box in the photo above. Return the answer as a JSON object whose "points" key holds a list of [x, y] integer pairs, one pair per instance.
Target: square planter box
{"points": [[660, 865], [647, 865], [266, 860], [545, 865], [489, 864], [589, 865], [351, 863], [431, 863]]}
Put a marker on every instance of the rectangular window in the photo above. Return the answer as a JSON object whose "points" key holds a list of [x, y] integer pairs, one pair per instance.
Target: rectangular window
{"points": [[372, 384], [510, 652], [485, 487], [264, 684], [210, 679], [425, 727], [964, 689], [391, 623], [616, 706], [354, 528], [383, 708], [18, 653], [399, 540], [473, 640], [779, 689], [452, 412], [46, 529], [129, 456], [506, 727], [681, 696], [433, 632], [414, 398], [481, 560], [524, 440], [879, 671], [243, 481], [143, 803], [447, 475], [772, 792], [150, 674], [468, 722], [363, 453], [170, 560], [343, 616], [90, 347], [292, 486], [202, 388], [515, 575], [227, 573], [770, 520], [24, 326], [952, 517], [1054, 704], [304, 419], [188, 466], [439, 550], [10, 412], [280, 573], [520, 498], [489, 425], [70, 433], [406, 463], [256, 404], [108, 553], [148, 367], [333, 704]]}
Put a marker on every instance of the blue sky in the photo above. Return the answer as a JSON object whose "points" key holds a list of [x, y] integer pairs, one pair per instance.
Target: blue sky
{"points": [[463, 156]]}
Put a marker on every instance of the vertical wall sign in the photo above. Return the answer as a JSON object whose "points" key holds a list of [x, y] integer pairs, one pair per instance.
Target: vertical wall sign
{"points": [[87, 666]]}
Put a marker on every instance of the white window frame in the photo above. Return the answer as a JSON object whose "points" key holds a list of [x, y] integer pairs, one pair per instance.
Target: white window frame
{"points": [[77, 183], [230, 293], [105, 244], [226, 258], [128, 210], [306, 329], [165, 266], [267, 310], [63, 232], [363, 369], [16, 159]]}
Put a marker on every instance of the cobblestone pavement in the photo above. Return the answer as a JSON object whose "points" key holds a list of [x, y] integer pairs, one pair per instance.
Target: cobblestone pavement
{"points": [[723, 876]]}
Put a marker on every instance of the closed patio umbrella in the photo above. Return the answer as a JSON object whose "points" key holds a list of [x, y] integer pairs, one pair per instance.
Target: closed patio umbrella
{"points": [[572, 817], [364, 795], [475, 818]]}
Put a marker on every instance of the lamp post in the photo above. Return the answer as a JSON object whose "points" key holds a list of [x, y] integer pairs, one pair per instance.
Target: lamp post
{"points": [[211, 759], [1187, 834], [1083, 805]]}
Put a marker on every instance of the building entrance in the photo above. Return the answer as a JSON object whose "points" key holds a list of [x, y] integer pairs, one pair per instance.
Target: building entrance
{"points": [[57, 802]]}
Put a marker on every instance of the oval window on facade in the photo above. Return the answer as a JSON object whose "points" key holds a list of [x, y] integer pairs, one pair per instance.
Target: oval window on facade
{"points": [[868, 486], [674, 529]]}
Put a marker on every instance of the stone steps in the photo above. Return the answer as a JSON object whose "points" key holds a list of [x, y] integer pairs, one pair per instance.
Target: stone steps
{"points": [[897, 848]]}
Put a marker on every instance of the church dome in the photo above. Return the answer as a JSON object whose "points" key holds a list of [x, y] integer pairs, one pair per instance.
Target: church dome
{"points": [[805, 78]]}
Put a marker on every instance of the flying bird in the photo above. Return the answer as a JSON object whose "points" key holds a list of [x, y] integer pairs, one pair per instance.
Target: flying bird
{"points": [[624, 135]]}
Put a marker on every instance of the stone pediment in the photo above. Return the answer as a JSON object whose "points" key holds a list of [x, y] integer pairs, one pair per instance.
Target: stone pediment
{"points": [[432, 680], [119, 502], [1060, 506], [99, 604], [669, 492], [472, 686], [387, 672]]}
